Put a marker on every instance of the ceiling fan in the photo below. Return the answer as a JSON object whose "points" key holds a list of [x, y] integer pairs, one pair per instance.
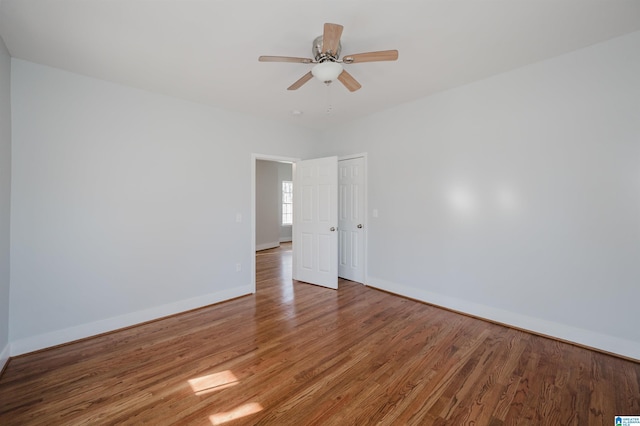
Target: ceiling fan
{"points": [[326, 52]]}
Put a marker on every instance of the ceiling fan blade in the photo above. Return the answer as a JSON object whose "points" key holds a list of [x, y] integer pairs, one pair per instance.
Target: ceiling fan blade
{"points": [[284, 59], [348, 81], [308, 76], [331, 38], [383, 55]]}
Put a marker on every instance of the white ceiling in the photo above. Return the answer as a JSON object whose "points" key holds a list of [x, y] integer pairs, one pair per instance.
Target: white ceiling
{"points": [[207, 50]]}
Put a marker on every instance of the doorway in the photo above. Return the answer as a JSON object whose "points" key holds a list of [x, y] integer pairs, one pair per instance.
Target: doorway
{"points": [[266, 242], [352, 246], [274, 203]]}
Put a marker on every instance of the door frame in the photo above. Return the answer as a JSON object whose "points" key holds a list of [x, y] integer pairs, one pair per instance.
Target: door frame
{"points": [[365, 234], [254, 159], [293, 160]]}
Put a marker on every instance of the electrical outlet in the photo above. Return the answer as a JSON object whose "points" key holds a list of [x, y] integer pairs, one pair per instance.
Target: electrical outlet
{"points": [[238, 267]]}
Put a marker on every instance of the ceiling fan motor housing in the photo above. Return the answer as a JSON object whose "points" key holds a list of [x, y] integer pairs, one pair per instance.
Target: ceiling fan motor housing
{"points": [[322, 57]]}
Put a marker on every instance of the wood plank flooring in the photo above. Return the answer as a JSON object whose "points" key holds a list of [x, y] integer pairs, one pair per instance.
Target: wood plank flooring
{"points": [[298, 354]]}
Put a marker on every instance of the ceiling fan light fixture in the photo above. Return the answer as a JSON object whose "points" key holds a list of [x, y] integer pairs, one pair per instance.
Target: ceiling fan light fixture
{"points": [[327, 71]]}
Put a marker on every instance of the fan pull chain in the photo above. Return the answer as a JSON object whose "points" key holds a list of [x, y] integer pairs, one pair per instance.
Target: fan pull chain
{"points": [[329, 109]]}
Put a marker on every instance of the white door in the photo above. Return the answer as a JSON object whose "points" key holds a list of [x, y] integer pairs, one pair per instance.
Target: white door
{"points": [[351, 185], [315, 221]]}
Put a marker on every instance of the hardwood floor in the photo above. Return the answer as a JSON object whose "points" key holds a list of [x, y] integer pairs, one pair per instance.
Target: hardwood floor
{"points": [[298, 354]]}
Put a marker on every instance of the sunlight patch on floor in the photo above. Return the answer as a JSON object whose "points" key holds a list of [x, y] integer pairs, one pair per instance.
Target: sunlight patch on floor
{"points": [[213, 382], [236, 413]]}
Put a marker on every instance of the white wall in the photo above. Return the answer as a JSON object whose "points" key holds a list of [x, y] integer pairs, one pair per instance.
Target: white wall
{"points": [[267, 208], [125, 203], [516, 198], [5, 198]]}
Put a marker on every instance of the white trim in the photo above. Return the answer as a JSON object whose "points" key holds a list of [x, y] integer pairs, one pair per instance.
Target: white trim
{"points": [[265, 246], [57, 337], [254, 158], [294, 273], [580, 336], [286, 239], [352, 156], [4, 356]]}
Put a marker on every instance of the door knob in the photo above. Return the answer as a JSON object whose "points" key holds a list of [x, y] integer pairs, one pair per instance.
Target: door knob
{"points": [[359, 226], [332, 229]]}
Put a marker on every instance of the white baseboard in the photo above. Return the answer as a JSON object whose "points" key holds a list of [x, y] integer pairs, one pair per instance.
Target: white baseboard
{"points": [[4, 356], [265, 246], [285, 239], [615, 345], [58, 337]]}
